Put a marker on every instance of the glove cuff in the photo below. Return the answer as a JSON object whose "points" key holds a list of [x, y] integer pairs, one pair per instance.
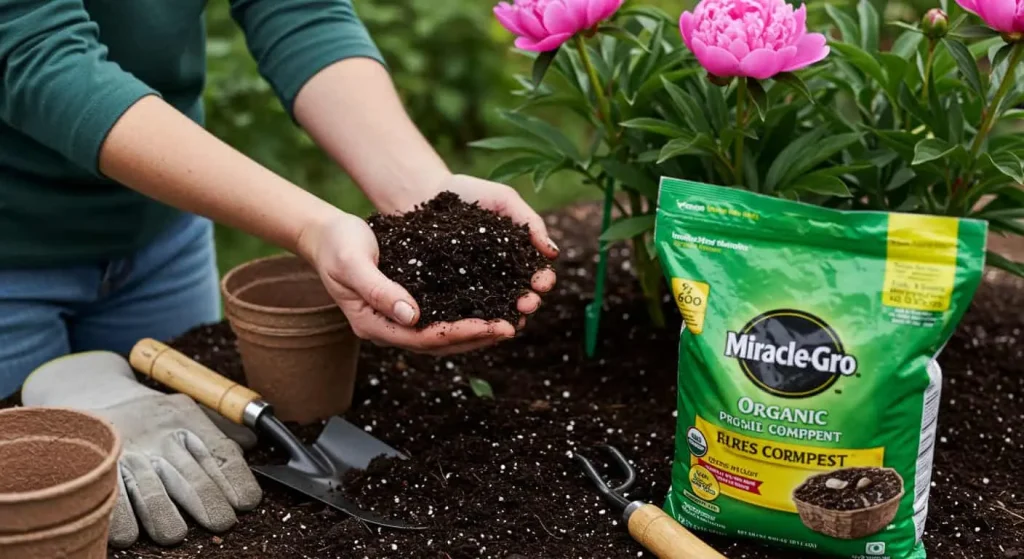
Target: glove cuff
{"points": [[91, 379]]}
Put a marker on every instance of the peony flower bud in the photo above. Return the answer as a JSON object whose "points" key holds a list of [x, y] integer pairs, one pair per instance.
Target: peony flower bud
{"points": [[935, 23]]}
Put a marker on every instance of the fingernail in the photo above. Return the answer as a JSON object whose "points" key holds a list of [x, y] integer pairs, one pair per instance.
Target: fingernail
{"points": [[553, 246], [404, 313]]}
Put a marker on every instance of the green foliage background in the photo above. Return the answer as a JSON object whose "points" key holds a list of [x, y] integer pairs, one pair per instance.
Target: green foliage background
{"points": [[453, 65]]}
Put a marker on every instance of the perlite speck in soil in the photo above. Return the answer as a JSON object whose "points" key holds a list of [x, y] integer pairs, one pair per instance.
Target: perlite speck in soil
{"points": [[808, 387]]}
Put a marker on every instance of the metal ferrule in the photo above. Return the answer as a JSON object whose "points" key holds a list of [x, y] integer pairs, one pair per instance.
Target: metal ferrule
{"points": [[252, 412], [630, 509]]}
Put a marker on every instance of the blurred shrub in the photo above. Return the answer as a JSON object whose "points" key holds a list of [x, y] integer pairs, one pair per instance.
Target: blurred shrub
{"points": [[448, 60]]}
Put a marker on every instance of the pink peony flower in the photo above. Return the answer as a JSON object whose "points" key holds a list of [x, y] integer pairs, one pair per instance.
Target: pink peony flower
{"points": [[1005, 16], [544, 25], [753, 38]]}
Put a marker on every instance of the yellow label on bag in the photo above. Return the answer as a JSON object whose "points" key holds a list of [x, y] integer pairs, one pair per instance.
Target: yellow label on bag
{"points": [[764, 472], [692, 300], [920, 265]]}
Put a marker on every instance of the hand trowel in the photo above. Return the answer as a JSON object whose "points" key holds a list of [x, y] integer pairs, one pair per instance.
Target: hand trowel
{"points": [[314, 470]]}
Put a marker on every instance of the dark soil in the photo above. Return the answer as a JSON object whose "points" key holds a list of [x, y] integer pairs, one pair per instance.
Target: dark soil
{"points": [[494, 478], [860, 488], [457, 259]]}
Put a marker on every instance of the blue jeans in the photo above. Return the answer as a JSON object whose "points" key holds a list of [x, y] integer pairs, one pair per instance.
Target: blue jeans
{"points": [[161, 291]]}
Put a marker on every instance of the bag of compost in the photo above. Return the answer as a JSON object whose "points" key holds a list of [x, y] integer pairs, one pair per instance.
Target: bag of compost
{"points": [[808, 388]]}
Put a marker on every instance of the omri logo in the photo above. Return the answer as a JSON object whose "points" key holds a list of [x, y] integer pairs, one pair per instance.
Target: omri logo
{"points": [[688, 207], [790, 353]]}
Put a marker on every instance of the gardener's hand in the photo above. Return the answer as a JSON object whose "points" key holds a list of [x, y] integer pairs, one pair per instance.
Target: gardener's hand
{"points": [[175, 451], [344, 251], [500, 199], [505, 201]]}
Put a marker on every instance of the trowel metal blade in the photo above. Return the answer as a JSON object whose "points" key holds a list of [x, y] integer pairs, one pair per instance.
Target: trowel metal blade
{"points": [[348, 446], [329, 492]]}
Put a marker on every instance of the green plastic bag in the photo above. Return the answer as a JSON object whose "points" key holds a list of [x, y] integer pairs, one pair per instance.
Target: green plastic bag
{"points": [[808, 388]]}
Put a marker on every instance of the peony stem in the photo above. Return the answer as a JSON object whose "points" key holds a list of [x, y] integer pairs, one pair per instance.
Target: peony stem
{"points": [[928, 70], [741, 101], [595, 83], [993, 107]]}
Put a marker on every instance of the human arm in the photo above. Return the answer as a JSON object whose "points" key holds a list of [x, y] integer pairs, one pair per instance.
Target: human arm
{"points": [[60, 89], [339, 91]]}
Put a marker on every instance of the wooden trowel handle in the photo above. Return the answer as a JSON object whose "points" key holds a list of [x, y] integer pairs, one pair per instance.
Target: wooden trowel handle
{"points": [[174, 370], [666, 538]]}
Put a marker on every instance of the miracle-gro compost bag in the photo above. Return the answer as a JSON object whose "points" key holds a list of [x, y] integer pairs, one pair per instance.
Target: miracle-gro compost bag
{"points": [[808, 388]]}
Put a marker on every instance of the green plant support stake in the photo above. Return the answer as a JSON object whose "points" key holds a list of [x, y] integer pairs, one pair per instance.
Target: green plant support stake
{"points": [[593, 310]]}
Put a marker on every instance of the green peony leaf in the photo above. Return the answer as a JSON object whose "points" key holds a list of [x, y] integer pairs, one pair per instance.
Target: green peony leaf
{"points": [[656, 126], [1008, 164], [999, 261], [544, 131], [847, 27], [794, 82], [698, 145], [515, 167], [817, 153], [968, 66], [631, 176], [628, 228], [862, 60], [758, 96], [545, 170], [623, 35], [512, 143], [821, 183], [541, 65], [910, 103], [975, 32], [869, 22], [931, 149], [687, 106], [907, 43], [789, 157]]}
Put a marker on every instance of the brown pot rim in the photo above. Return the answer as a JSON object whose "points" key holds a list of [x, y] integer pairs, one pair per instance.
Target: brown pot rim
{"points": [[89, 519], [79, 482], [233, 299], [248, 326]]}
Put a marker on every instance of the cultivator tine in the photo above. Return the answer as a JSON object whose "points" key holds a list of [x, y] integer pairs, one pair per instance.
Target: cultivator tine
{"points": [[609, 493], [625, 466]]}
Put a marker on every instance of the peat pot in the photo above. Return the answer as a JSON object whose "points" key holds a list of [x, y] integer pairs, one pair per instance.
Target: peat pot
{"points": [[297, 348], [58, 483]]}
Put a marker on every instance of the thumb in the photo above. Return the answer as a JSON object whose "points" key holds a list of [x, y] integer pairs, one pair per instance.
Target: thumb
{"points": [[384, 295]]}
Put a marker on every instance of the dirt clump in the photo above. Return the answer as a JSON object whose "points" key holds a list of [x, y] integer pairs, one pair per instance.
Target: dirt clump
{"points": [[457, 259]]}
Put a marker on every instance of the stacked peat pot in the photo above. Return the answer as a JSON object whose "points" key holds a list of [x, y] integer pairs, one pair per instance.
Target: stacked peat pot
{"points": [[58, 483], [297, 348]]}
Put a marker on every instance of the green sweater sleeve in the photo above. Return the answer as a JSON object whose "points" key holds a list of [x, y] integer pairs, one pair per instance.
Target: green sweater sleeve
{"points": [[292, 40], [58, 86]]}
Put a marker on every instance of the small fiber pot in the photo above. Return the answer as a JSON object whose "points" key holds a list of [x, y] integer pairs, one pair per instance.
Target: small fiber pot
{"points": [[297, 348], [85, 538], [58, 469]]}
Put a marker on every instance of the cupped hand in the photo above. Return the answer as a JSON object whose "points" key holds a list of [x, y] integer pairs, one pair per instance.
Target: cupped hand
{"points": [[505, 201], [345, 253]]}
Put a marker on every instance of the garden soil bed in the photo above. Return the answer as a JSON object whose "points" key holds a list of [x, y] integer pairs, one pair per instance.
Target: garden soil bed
{"points": [[494, 478]]}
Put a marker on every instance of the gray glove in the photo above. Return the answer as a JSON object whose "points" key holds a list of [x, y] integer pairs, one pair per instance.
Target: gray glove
{"points": [[175, 451]]}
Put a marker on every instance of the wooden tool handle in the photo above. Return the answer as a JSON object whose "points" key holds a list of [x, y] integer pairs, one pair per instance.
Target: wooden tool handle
{"points": [[666, 538], [172, 369]]}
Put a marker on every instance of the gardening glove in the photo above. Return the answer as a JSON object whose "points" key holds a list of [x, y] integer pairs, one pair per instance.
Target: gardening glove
{"points": [[175, 451]]}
